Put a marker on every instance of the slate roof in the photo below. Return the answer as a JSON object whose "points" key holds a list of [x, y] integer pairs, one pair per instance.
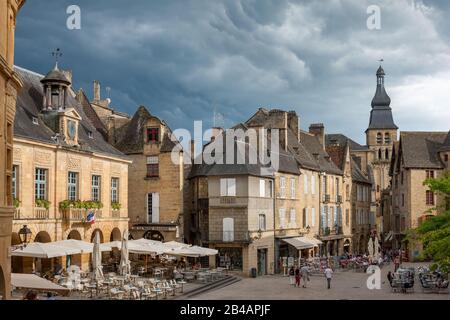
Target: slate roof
{"points": [[357, 174], [381, 113], [446, 144], [420, 149], [90, 112], [313, 146], [55, 75], [255, 169], [131, 136], [342, 139], [29, 104]]}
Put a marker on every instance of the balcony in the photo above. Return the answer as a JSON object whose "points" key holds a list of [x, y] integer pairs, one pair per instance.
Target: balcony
{"points": [[324, 231], [229, 236], [326, 198], [338, 199], [337, 230], [38, 214], [78, 215], [115, 214], [241, 202]]}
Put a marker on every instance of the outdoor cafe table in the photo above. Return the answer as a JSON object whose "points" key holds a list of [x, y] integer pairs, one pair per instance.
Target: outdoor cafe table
{"points": [[134, 277], [182, 282], [158, 290], [92, 287]]}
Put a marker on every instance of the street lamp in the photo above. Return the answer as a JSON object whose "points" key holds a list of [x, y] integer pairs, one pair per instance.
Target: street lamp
{"points": [[25, 235]]}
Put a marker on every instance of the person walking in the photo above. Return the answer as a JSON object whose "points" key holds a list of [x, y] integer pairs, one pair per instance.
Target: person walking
{"points": [[304, 271], [297, 277], [396, 263], [292, 276], [328, 274]]}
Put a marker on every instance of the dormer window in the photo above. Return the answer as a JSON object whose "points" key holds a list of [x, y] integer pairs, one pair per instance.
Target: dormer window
{"points": [[90, 135], [35, 121], [152, 135]]}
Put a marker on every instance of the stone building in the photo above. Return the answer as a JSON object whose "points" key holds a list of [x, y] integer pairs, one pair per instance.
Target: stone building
{"points": [[356, 195], [156, 175], [417, 157], [63, 169], [9, 85], [233, 210]]}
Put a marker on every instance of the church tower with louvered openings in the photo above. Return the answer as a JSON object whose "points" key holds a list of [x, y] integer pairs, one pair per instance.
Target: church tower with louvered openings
{"points": [[380, 138]]}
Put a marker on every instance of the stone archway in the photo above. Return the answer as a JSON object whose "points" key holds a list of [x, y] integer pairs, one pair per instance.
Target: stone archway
{"points": [[116, 235], [2, 285], [74, 234], [100, 233], [43, 237]]}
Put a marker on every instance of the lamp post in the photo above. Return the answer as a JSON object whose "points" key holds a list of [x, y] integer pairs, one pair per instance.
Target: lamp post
{"points": [[25, 236]]}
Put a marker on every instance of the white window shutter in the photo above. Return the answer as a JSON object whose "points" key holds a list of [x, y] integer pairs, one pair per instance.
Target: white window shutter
{"points": [[313, 184], [228, 229], [305, 184], [292, 188], [292, 222], [282, 218], [223, 187], [231, 187], [313, 217], [155, 208], [306, 217], [262, 188]]}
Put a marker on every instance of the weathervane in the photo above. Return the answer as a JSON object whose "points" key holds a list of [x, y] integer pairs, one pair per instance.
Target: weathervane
{"points": [[57, 53], [381, 60]]}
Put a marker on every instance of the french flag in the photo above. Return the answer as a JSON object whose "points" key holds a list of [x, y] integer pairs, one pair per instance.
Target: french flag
{"points": [[91, 217]]}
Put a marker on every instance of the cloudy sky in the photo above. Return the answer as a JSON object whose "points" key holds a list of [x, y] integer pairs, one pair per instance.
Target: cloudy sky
{"points": [[184, 59]]}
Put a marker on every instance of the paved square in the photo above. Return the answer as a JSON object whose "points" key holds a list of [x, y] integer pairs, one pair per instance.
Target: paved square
{"points": [[347, 285]]}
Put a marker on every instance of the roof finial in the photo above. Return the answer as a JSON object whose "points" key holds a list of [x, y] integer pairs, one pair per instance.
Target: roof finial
{"points": [[57, 53]]}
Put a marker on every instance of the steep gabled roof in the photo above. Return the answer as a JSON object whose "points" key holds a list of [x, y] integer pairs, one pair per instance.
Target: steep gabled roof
{"points": [[90, 112], [420, 149], [342, 139], [131, 137], [446, 144], [314, 147]]}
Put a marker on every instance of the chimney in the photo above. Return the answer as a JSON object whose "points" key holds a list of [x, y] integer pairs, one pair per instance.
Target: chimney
{"points": [[96, 91], [318, 130], [293, 123]]}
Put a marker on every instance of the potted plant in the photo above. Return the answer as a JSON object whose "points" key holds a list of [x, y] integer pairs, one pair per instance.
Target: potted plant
{"points": [[42, 203], [17, 202], [115, 205]]}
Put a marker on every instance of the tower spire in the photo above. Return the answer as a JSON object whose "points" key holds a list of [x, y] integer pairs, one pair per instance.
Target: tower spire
{"points": [[57, 53]]}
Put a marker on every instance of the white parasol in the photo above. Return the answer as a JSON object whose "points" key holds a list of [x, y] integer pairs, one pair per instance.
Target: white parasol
{"points": [[97, 269]]}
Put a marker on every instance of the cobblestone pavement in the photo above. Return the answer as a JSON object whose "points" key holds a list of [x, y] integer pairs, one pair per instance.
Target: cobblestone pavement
{"points": [[346, 285]]}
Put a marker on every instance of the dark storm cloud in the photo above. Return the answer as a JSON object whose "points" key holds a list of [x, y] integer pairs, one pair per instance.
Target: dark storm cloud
{"points": [[185, 59]]}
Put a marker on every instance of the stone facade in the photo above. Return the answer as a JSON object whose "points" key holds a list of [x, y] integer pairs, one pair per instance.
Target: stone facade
{"points": [[411, 202], [156, 175], [9, 85]]}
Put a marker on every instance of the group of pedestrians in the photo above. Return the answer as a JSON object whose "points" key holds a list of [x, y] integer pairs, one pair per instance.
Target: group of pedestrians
{"points": [[296, 274]]}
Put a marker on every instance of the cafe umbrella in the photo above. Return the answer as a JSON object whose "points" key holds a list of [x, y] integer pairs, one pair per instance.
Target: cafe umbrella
{"points": [[124, 268], [97, 272]]}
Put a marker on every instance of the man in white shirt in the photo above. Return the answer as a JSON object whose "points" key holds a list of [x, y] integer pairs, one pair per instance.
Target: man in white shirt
{"points": [[328, 274]]}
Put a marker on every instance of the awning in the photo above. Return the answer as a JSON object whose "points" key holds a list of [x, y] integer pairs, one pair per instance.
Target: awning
{"points": [[32, 281], [299, 243], [43, 250], [82, 246]]}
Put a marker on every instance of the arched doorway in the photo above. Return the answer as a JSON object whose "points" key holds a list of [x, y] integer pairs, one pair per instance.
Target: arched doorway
{"points": [[43, 237], [2, 284], [76, 258], [16, 262], [100, 233], [43, 265], [154, 235], [116, 235], [74, 234]]}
